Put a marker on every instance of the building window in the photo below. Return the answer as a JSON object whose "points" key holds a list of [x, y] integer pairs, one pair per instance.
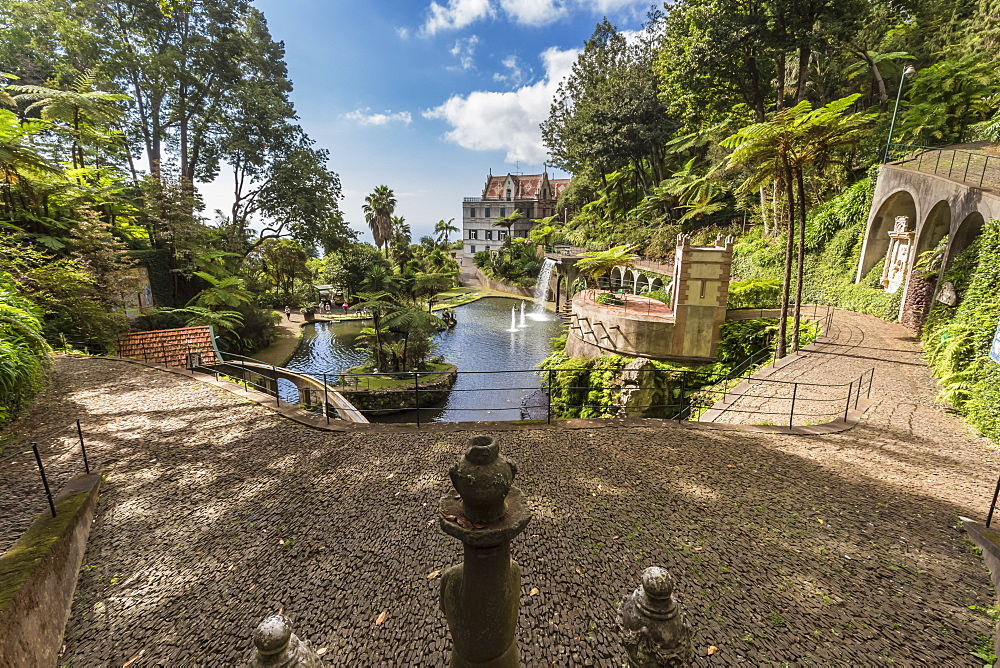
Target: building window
{"points": [[472, 213], [489, 235], [501, 235], [508, 198], [473, 234], [487, 249], [487, 213], [472, 249], [503, 211]]}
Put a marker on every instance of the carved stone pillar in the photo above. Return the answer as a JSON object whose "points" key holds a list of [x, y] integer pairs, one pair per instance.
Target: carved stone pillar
{"points": [[481, 596], [897, 258], [275, 646], [654, 631]]}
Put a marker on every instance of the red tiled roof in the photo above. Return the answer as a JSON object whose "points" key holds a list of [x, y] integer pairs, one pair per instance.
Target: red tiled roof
{"points": [[525, 186], [170, 346], [557, 186]]}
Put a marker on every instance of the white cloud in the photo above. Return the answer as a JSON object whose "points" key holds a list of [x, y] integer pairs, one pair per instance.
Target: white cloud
{"points": [[458, 14], [464, 49], [364, 118], [534, 12], [403, 33], [491, 121], [515, 75]]}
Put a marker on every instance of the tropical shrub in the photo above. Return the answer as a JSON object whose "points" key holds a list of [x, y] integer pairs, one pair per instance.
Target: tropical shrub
{"points": [[24, 354], [957, 339]]}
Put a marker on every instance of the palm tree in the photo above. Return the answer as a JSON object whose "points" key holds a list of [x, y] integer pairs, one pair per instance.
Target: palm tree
{"points": [[413, 320], [378, 208], [81, 111], [779, 150], [379, 305], [228, 291], [444, 229], [508, 221]]}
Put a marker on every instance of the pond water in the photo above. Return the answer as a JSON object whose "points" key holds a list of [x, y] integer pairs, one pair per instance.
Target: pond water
{"points": [[481, 342]]}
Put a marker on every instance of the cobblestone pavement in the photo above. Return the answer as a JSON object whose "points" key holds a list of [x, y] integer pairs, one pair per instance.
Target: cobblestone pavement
{"points": [[837, 549]]}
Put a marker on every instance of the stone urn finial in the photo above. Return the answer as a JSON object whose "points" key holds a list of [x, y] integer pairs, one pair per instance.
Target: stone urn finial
{"points": [[483, 479], [275, 646], [654, 631]]}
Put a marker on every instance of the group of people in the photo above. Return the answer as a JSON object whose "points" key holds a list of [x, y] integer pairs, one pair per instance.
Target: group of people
{"points": [[326, 306]]}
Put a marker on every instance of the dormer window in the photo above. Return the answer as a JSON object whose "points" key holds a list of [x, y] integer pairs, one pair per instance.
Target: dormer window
{"points": [[508, 194]]}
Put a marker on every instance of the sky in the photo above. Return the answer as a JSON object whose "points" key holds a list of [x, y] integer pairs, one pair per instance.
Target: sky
{"points": [[427, 97]]}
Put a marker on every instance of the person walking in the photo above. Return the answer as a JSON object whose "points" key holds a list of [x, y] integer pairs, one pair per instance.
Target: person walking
{"points": [[345, 306], [288, 312]]}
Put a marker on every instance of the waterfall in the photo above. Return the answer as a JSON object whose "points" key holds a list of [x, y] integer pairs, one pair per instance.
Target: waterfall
{"points": [[542, 285]]}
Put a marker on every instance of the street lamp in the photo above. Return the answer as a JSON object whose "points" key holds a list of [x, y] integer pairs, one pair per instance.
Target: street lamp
{"points": [[907, 73]]}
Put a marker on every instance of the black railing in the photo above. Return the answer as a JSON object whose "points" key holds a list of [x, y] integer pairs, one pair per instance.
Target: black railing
{"points": [[783, 400], [967, 166], [72, 430]]}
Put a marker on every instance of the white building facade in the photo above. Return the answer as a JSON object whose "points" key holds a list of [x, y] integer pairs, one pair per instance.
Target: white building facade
{"points": [[534, 195]]}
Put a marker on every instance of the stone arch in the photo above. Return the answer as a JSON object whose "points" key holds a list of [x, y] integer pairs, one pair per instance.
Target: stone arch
{"points": [[655, 283], [899, 203], [965, 233], [935, 227], [617, 278], [635, 278]]}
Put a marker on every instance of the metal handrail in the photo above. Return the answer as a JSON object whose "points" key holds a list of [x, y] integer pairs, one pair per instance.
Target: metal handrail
{"points": [[907, 154]]}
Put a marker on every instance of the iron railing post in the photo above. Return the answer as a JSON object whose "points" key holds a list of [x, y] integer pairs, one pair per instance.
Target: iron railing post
{"points": [[871, 379], [791, 413], [967, 163], [680, 398], [83, 448], [850, 391], [416, 395], [274, 377], [993, 505], [548, 410], [326, 404], [45, 482]]}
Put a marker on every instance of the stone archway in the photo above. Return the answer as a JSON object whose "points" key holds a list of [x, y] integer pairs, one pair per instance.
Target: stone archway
{"points": [[934, 229], [965, 233], [617, 278], [899, 203]]}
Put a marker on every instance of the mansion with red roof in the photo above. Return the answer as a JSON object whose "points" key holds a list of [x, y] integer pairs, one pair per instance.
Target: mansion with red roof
{"points": [[534, 195]]}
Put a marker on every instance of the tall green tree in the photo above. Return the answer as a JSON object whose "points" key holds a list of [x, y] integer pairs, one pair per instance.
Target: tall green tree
{"points": [[378, 208]]}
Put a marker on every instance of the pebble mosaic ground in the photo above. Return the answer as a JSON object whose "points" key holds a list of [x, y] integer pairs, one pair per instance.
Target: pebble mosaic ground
{"points": [[822, 550]]}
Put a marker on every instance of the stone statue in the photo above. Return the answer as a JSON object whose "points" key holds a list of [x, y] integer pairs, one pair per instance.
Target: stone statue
{"points": [[480, 597], [654, 631], [897, 257], [275, 646]]}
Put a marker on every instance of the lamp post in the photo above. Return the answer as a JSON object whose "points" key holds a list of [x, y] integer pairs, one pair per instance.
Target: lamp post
{"points": [[908, 71]]}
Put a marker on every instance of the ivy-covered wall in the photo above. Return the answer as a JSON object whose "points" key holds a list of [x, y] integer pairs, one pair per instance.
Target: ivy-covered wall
{"points": [[957, 339], [834, 235]]}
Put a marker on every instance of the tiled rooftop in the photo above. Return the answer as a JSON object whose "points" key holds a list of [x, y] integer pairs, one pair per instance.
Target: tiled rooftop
{"points": [[170, 346]]}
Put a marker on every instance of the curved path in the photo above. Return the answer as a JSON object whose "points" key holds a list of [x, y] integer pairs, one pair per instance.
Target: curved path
{"points": [[829, 550]]}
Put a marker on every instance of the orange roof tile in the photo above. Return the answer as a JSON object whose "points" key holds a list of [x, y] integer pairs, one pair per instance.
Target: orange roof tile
{"points": [[170, 346]]}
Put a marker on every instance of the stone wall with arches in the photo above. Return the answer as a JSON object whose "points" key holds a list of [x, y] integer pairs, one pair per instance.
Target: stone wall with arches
{"points": [[911, 213]]}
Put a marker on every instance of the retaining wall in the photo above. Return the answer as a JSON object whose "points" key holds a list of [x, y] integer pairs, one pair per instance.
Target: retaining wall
{"points": [[38, 577], [385, 402], [504, 287]]}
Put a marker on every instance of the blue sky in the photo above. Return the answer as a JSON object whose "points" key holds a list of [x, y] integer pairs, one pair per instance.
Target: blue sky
{"points": [[426, 97]]}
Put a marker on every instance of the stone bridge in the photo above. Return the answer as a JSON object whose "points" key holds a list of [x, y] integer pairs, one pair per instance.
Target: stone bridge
{"points": [[919, 200]]}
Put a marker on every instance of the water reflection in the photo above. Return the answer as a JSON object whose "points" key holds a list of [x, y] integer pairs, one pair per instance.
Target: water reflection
{"points": [[480, 342]]}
